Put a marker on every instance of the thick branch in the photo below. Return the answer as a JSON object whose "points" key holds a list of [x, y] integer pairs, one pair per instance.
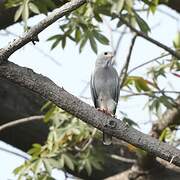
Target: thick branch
{"points": [[49, 90], [170, 117], [35, 30]]}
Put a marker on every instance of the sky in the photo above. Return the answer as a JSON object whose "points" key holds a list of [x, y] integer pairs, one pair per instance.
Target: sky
{"points": [[74, 69]]}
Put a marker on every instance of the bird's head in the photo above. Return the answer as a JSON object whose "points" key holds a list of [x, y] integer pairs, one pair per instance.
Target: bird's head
{"points": [[105, 59]]}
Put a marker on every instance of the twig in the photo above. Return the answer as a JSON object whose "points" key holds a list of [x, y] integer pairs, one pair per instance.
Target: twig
{"points": [[150, 93], [141, 34], [150, 61], [90, 140], [123, 73], [14, 153], [20, 121], [123, 159]]}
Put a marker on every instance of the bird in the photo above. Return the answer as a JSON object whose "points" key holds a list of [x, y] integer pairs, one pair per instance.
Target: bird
{"points": [[105, 88]]}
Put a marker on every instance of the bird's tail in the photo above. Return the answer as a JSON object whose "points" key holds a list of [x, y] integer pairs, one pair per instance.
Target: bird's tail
{"points": [[107, 139]]}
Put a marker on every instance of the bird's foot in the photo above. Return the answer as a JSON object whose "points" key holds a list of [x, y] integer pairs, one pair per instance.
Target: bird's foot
{"points": [[106, 112]]}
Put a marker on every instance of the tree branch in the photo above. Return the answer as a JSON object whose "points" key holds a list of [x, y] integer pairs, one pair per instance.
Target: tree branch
{"points": [[20, 121], [170, 117], [35, 30], [110, 125], [123, 73], [141, 34]]}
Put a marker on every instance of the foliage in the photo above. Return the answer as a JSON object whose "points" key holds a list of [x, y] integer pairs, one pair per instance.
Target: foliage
{"points": [[68, 146]]}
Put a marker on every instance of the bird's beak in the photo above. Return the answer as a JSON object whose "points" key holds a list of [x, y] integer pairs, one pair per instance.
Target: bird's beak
{"points": [[110, 56]]}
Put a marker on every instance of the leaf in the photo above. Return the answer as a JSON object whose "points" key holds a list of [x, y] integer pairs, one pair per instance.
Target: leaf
{"points": [[130, 122], [18, 13], [101, 38], [57, 36], [176, 41], [34, 8], [63, 41], [47, 166], [142, 24], [77, 35], [88, 167], [93, 44], [49, 114], [97, 17], [46, 105], [25, 12], [142, 84], [166, 133], [36, 166], [82, 44], [96, 165], [18, 169], [117, 7], [55, 43], [164, 100], [68, 162]]}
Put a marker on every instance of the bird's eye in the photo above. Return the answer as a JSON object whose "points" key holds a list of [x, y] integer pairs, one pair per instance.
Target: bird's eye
{"points": [[105, 53]]}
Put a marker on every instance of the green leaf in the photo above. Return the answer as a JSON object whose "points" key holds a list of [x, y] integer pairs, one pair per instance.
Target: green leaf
{"points": [[93, 44], [68, 162], [77, 35], [97, 17], [101, 38], [18, 169], [56, 42], [57, 36], [47, 166], [88, 167], [142, 24], [36, 166], [25, 12], [96, 165], [34, 8], [117, 6], [82, 43], [176, 41], [130, 122], [165, 134], [63, 41], [164, 100], [142, 84], [46, 105], [18, 13], [49, 114]]}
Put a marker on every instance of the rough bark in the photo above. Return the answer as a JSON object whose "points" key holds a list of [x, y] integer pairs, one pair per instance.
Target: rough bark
{"points": [[49, 90]]}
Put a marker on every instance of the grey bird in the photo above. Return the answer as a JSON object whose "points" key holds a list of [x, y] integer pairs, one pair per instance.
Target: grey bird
{"points": [[105, 87]]}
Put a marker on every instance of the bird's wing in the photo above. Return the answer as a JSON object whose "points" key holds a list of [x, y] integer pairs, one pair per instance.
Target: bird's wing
{"points": [[115, 86], [93, 91]]}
